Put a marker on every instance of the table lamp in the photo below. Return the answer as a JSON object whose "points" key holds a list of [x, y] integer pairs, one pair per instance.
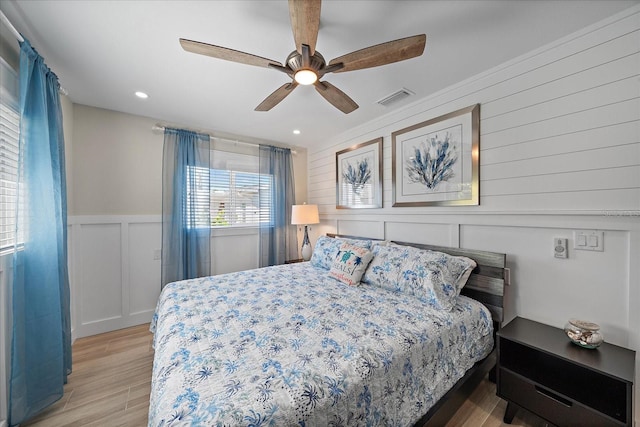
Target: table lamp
{"points": [[305, 215]]}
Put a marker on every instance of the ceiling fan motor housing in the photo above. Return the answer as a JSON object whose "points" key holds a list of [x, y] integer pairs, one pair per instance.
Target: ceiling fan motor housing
{"points": [[294, 61]]}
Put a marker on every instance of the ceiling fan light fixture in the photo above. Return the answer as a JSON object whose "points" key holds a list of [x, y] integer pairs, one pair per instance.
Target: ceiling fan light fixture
{"points": [[306, 65], [305, 77]]}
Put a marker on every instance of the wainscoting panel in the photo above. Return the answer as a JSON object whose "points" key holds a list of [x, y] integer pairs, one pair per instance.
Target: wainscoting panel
{"points": [[144, 270], [100, 273], [72, 283], [586, 285], [5, 333], [114, 268], [234, 252], [432, 234], [114, 278], [350, 227]]}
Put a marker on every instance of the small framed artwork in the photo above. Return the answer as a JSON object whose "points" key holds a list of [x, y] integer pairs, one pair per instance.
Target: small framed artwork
{"points": [[435, 163], [359, 176]]}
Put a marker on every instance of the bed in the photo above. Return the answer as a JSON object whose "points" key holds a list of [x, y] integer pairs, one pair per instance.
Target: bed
{"points": [[292, 345]]}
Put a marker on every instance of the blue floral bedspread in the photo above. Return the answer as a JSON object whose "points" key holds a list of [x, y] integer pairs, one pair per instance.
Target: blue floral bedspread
{"points": [[291, 346]]}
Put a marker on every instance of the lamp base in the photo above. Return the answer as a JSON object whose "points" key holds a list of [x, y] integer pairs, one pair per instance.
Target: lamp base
{"points": [[306, 252], [306, 246]]}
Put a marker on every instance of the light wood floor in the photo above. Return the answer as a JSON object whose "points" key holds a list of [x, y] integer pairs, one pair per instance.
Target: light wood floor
{"points": [[111, 382]]}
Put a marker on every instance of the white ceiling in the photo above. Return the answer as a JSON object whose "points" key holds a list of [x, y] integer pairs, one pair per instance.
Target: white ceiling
{"points": [[104, 51]]}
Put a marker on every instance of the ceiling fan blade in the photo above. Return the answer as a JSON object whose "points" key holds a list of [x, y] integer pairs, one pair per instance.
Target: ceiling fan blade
{"points": [[226, 53], [381, 54], [277, 96], [336, 97], [305, 22]]}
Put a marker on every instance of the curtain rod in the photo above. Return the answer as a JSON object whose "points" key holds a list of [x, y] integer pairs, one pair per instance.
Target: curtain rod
{"points": [[158, 128], [18, 36], [9, 25]]}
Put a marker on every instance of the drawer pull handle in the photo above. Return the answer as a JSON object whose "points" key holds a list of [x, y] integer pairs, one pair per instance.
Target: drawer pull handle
{"points": [[554, 396]]}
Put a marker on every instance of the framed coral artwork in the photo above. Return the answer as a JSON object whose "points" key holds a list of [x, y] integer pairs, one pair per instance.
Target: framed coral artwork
{"points": [[435, 163], [359, 176]]}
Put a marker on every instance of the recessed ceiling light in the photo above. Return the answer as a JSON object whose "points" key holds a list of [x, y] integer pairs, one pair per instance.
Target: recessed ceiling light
{"points": [[142, 95], [296, 132]]}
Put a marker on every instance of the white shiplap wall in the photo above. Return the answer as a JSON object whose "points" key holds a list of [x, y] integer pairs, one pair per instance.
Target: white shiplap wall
{"points": [[559, 151], [559, 128]]}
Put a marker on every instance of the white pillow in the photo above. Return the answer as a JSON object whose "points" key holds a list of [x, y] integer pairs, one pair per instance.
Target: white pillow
{"points": [[350, 263]]}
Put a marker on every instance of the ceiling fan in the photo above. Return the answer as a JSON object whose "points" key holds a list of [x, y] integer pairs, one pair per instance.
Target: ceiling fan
{"points": [[306, 66]]}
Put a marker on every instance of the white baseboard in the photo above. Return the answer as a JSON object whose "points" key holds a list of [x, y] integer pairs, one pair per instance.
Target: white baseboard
{"points": [[3, 423]]}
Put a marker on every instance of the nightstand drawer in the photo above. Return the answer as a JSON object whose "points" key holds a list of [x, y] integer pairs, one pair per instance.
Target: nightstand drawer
{"points": [[548, 404]]}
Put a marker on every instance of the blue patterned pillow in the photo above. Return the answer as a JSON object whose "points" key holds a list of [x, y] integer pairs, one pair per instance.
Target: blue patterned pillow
{"points": [[385, 267], [433, 277], [326, 249], [350, 263]]}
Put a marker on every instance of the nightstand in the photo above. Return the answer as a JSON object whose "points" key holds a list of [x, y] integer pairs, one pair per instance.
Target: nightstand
{"points": [[293, 261], [542, 371]]}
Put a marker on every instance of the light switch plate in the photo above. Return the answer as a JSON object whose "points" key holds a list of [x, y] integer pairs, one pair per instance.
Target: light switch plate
{"points": [[588, 240]]}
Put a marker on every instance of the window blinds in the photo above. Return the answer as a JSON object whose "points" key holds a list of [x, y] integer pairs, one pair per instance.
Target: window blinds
{"points": [[9, 140], [239, 195]]}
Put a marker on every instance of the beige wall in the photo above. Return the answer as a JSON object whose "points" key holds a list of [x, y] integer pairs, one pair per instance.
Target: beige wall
{"points": [[67, 126], [116, 164]]}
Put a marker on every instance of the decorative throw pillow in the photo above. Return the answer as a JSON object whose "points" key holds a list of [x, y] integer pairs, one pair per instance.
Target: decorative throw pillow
{"points": [[350, 263], [326, 249]]}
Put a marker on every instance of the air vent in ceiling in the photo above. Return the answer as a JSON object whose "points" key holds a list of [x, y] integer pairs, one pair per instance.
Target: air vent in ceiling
{"points": [[396, 96]]}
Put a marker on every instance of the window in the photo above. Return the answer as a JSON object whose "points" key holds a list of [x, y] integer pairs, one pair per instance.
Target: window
{"points": [[239, 198], [9, 135], [198, 194], [239, 195]]}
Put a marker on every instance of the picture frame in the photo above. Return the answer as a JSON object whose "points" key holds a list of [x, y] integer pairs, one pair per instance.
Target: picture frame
{"points": [[359, 176], [436, 162]]}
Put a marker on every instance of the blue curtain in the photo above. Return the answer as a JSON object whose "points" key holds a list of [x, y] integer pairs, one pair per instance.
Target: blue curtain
{"points": [[278, 238], [41, 341], [186, 217]]}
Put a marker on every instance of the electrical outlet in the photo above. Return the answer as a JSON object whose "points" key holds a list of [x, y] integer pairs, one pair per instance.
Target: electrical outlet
{"points": [[560, 247], [507, 276], [157, 254]]}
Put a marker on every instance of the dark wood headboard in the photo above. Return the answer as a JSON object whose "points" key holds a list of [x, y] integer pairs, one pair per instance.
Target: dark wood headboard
{"points": [[486, 283]]}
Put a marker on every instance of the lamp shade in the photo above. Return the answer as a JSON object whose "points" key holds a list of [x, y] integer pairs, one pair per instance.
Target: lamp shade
{"points": [[304, 214]]}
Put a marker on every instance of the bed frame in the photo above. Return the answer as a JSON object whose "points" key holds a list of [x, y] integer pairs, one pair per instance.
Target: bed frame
{"points": [[486, 284]]}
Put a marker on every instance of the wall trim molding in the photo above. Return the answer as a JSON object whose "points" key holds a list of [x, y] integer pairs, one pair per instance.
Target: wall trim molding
{"points": [[504, 220], [112, 219]]}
